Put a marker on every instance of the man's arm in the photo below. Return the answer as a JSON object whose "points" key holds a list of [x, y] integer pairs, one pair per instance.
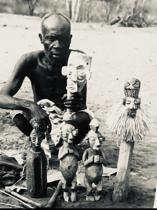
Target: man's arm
{"points": [[84, 97], [7, 101]]}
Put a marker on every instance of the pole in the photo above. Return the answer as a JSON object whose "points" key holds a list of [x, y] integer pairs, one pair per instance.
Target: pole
{"points": [[24, 199], [52, 200], [120, 192], [130, 125]]}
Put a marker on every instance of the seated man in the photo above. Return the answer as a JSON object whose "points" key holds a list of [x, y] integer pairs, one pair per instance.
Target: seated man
{"points": [[43, 68]]}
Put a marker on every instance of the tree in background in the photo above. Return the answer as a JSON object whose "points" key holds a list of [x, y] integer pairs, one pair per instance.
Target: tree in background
{"points": [[31, 5], [110, 5], [75, 9], [107, 11]]}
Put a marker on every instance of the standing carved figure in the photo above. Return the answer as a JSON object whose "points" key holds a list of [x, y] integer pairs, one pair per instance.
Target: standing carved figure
{"points": [[93, 160], [130, 124], [68, 157], [36, 165], [77, 71]]}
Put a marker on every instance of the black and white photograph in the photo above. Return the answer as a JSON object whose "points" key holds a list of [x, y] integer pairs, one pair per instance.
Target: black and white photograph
{"points": [[78, 104]]}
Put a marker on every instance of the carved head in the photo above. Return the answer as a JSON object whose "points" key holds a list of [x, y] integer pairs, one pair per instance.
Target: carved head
{"points": [[69, 132], [131, 100], [132, 88], [77, 71], [131, 104], [94, 139]]}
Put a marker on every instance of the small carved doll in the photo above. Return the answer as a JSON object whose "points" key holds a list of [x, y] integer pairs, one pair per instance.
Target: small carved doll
{"points": [[93, 160], [68, 157]]}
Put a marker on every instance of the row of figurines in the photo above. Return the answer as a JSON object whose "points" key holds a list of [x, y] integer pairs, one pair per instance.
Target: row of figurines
{"points": [[69, 157], [93, 166]]}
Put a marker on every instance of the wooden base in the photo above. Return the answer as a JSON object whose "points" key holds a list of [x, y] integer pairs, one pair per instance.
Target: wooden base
{"points": [[120, 192]]}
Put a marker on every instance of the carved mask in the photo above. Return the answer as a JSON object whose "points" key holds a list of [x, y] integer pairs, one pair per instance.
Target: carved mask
{"points": [[77, 72]]}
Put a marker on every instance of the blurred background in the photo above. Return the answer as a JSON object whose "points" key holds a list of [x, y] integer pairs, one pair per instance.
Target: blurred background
{"points": [[133, 13]]}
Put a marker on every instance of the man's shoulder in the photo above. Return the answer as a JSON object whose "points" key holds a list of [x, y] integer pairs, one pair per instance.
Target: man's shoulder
{"points": [[28, 62], [31, 56]]}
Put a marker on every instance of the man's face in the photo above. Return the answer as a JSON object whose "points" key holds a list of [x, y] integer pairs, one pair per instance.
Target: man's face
{"points": [[56, 39]]}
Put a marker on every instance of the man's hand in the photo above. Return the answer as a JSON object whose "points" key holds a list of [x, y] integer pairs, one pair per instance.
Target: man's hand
{"points": [[75, 103], [45, 103], [40, 118]]}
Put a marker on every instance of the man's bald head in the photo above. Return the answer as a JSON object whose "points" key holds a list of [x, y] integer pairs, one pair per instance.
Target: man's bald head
{"points": [[55, 20], [56, 37]]}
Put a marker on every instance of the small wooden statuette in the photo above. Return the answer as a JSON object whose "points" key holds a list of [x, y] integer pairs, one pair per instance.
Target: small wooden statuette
{"points": [[77, 72], [130, 125], [68, 157], [93, 160], [36, 166]]}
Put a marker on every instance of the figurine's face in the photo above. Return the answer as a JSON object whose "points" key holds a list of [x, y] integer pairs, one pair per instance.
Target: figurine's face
{"points": [[132, 104], [77, 72], [68, 133], [94, 141], [76, 78]]}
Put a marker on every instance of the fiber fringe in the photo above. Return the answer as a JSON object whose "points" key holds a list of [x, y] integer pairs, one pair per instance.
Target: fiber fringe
{"points": [[126, 128]]}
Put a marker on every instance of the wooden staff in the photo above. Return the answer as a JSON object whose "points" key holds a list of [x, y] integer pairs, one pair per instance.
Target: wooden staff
{"points": [[24, 199], [52, 200], [123, 172], [17, 199]]}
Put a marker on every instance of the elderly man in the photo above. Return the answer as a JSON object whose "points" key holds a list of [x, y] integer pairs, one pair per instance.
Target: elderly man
{"points": [[43, 69]]}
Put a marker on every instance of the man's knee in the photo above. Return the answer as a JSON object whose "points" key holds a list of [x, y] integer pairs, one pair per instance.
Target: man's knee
{"points": [[81, 121], [22, 123]]}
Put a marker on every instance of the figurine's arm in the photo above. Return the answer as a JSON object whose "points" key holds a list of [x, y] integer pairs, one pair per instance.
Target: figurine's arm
{"points": [[104, 159], [87, 159]]}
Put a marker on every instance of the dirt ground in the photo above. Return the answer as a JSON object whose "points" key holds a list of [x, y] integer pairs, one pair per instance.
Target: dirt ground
{"points": [[118, 54]]}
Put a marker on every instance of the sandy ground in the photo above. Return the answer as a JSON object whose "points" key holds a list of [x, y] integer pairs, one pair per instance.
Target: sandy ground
{"points": [[118, 54]]}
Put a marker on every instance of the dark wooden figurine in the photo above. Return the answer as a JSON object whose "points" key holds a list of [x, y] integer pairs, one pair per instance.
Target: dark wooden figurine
{"points": [[93, 160], [68, 157]]}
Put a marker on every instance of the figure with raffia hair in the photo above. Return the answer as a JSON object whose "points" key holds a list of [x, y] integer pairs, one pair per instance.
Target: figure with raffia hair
{"points": [[130, 124]]}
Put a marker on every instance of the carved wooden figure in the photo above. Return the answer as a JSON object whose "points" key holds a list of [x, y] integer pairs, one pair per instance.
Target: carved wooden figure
{"points": [[68, 157], [92, 160], [36, 165], [130, 125], [77, 72]]}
